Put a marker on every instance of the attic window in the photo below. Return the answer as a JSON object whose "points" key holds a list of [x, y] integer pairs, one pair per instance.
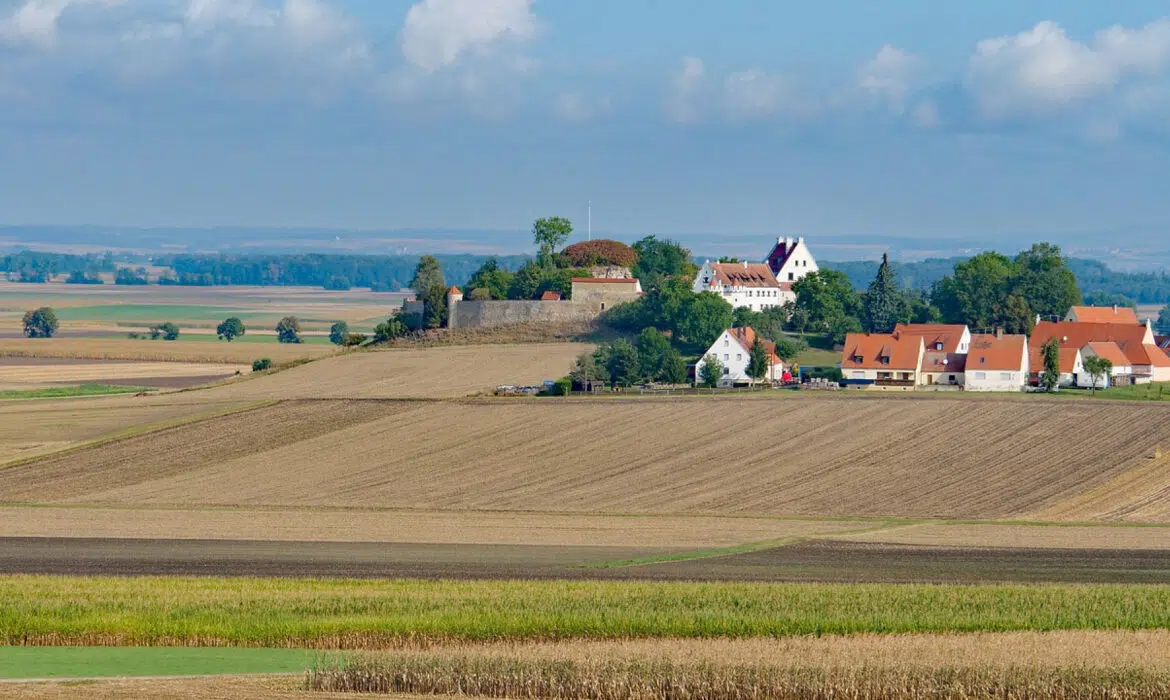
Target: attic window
{"points": [[886, 360], [938, 346], [858, 359]]}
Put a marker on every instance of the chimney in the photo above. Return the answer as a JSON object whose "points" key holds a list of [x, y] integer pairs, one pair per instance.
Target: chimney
{"points": [[745, 264], [999, 333], [800, 240], [1115, 309]]}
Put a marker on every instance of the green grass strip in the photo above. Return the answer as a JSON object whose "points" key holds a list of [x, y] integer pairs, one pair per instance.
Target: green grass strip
{"points": [[330, 613], [64, 392], [105, 662]]}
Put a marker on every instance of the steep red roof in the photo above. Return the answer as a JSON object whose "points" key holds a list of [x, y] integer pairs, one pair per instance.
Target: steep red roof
{"points": [[881, 351], [1111, 352], [743, 275], [1068, 360], [550, 295], [780, 254], [1104, 314], [933, 334], [989, 352], [746, 337], [1129, 337], [454, 290]]}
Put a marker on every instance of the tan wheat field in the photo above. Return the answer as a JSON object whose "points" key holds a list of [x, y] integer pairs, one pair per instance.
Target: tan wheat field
{"points": [[178, 351], [791, 457]]}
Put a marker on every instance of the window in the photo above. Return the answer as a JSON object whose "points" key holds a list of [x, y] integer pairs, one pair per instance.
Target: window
{"points": [[1005, 376], [791, 276], [726, 371], [726, 358], [739, 357], [859, 375], [938, 346], [885, 360], [603, 306], [981, 375], [858, 359], [726, 342]]}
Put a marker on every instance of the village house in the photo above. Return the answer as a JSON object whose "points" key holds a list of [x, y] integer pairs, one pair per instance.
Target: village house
{"points": [[944, 361], [759, 286], [743, 284], [1102, 314], [1072, 367], [1122, 371], [733, 348], [1135, 340], [882, 360], [997, 363]]}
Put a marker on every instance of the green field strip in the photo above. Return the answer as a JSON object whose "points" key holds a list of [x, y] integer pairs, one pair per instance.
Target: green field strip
{"points": [[20, 663], [67, 392]]}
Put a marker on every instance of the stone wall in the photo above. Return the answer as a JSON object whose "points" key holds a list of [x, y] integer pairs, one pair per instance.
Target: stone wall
{"points": [[489, 314]]}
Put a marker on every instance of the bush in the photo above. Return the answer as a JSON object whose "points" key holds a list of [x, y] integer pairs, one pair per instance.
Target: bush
{"points": [[166, 331], [355, 339], [261, 365], [562, 387], [600, 252], [832, 374]]}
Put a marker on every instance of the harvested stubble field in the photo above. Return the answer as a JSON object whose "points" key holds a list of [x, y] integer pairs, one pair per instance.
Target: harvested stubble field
{"points": [[28, 372], [693, 456], [176, 351]]}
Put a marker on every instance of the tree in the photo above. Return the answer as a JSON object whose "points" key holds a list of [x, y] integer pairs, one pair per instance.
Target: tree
{"points": [[1050, 377], [883, 301], [390, 329], [1098, 368], [586, 371], [674, 368], [479, 294], [40, 323], [662, 259], [526, 282], [827, 299], [710, 372], [288, 330], [339, 333], [427, 274], [976, 294], [230, 329], [702, 318], [126, 276], [166, 331], [600, 252], [1164, 320], [492, 278], [654, 353], [622, 363], [1045, 282], [841, 327], [788, 350], [759, 361], [549, 234]]}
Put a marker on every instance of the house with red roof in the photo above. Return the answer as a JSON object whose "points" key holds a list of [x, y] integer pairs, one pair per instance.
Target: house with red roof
{"points": [[790, 260], [1072, 367], [882, 360], [1102, 314], [1134, 340], [733, 349], [997, 363], [944, 362], [743, 284]]}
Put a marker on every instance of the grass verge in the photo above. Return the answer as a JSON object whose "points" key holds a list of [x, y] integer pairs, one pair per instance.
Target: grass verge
{"points": [[43, 610], [105, 662], [64, 392]]}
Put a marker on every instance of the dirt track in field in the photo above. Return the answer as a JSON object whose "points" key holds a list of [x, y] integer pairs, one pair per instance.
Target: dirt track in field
{"points": [[814, 561], [940, 458]]}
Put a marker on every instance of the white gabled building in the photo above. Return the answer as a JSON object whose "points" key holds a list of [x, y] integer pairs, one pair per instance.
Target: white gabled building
{"points": [[743, 284], [734, 348], [790, 260]]}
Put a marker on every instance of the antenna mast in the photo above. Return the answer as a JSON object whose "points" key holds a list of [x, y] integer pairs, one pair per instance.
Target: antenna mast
{"points": [[591, 219]]}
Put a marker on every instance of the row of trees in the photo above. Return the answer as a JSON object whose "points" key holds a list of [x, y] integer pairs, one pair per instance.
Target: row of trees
{"points": [[648, 358]]}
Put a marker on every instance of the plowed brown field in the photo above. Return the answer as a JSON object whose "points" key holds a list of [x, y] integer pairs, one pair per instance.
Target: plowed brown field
{"points": [[809, 456]]}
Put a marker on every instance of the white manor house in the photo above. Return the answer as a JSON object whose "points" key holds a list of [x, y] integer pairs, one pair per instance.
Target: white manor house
{"points": [[759, 286]]}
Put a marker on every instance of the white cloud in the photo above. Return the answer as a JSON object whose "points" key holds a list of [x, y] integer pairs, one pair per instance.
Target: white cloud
{"points": [[437, 33], [35, 21], [205, 15], [1043, 69], [891, 75], [575, 107], [752, 94], [925, 114], [685, 88]]}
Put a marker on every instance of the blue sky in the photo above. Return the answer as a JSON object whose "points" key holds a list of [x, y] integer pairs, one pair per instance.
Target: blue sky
{"points": [[996, 120]]}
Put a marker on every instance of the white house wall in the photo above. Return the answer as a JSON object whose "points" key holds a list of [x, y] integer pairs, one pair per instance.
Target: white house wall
{"points": [[995, 380]]}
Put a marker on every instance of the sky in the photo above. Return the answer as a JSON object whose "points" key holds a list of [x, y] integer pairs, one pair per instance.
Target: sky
{"points": [[996, 119]]}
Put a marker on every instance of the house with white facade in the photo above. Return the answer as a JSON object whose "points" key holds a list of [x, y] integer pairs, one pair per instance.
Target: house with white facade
{"points": [[997, 363], [944, 362], [790, 260], [1122, 371], [1072, 367], [733, 348], [1136, 341], [882, 361], [743, 284]]}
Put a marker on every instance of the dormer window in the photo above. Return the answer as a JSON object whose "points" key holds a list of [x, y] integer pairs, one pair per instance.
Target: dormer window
{"points": [[858, 359], [938, 346], [886, 360]]}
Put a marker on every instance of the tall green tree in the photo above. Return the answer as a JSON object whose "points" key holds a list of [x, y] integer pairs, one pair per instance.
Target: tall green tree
{"points": [[702, 318], [1050, 376], [1044, 280], [40, 323], [1164, 320], [653, 352], [288, 330], [758, 361], [431, 288], [826, 299], [622, 363], [586, 371], [976, 294], [230, 329], [883, 301], [662, 258], [339, 333], [491, 277], [550, 234], [788, 350], [710, 372]]}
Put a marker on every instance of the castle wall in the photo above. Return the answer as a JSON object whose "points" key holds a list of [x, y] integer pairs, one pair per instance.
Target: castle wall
{"points": [[489, 314]]}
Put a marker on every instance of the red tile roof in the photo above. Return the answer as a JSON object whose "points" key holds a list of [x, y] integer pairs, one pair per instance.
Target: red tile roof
{"points": [[746, 337], [989, 352], [1068, 360], [1105, 314], [1129, 337], [934, 333], [744, 275], [454, 290], [550, 296], [1111, 352], [881, 351]]}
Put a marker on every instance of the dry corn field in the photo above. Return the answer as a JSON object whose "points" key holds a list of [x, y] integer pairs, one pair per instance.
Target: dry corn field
{"points": [[727, 457]]}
